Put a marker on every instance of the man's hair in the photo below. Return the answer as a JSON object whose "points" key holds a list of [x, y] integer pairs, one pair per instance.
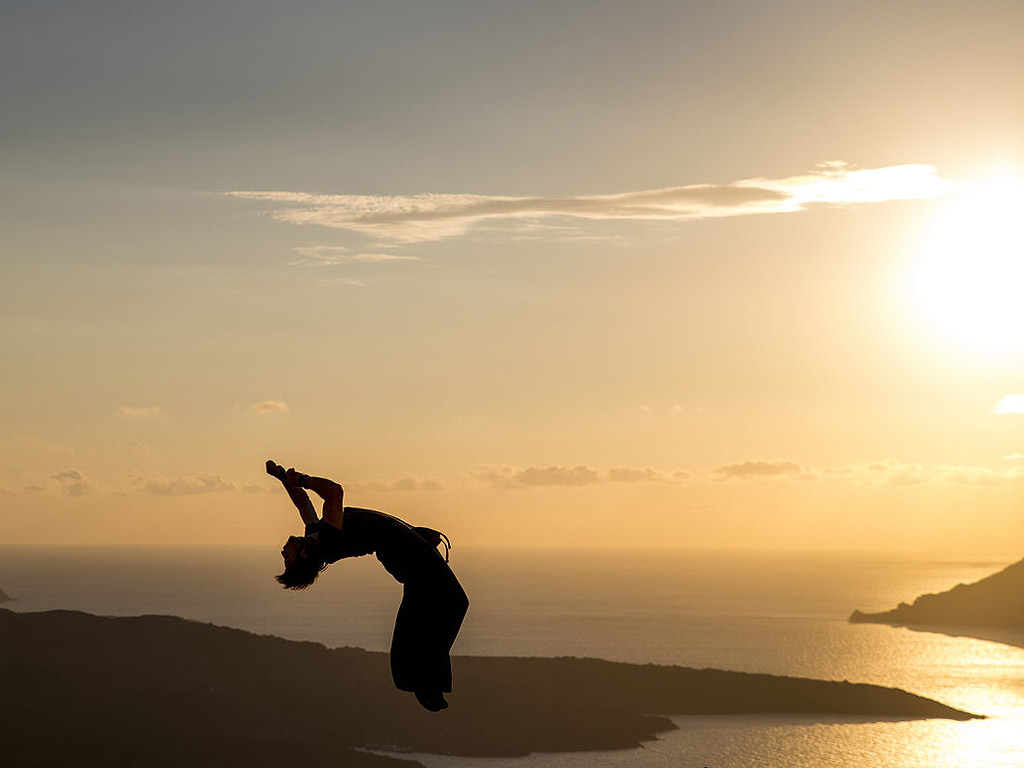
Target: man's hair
{"points": [[304, 569]]}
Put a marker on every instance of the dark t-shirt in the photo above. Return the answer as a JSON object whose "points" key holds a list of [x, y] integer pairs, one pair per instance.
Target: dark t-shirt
{"points": [[401, 550]]}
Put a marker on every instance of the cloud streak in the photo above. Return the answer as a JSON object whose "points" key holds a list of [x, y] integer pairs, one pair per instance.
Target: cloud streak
{"points": [[185, 486], [888, 472], [73, 483], [140, 411], [750, 470], [428, 217], [885, 472], [1010, 404], [333, 255], [406, 483], [269, 406], [557, 475]]}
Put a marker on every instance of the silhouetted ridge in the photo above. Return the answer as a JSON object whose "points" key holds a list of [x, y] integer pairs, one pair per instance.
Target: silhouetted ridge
{"points": [[996, 601], [159, 690]]}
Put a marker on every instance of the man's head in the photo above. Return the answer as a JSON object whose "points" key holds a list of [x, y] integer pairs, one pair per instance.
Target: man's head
{"points": [[302, 562]]}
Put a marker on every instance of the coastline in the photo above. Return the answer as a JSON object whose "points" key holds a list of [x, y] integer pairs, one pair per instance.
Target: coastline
{"points": [[144, 680], [989, 609]]}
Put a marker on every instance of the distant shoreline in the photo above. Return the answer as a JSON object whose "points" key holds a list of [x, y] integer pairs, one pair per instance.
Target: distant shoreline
{"points": [[990, 609]]}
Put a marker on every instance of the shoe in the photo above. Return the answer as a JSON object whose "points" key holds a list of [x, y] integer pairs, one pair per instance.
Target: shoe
{"points": [[434, 701]]}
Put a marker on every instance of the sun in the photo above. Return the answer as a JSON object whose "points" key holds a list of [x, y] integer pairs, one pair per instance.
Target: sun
{"points": [[968, 279]]}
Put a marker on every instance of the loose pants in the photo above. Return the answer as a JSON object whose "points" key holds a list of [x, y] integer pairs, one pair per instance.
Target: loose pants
{"points": [[433, 607]]}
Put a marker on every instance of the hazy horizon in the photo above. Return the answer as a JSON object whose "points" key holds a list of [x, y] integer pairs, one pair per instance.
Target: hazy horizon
{"points": [[910, 555]]}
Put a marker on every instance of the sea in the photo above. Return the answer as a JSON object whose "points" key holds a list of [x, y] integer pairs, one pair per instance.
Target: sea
{"points": [[780, 613]]}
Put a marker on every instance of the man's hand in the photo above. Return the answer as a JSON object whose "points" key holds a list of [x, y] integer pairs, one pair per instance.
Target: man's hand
{"points": [[275, 470]]}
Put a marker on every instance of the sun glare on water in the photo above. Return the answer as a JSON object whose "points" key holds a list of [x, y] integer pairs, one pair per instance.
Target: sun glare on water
{"points": [[969, 277]]}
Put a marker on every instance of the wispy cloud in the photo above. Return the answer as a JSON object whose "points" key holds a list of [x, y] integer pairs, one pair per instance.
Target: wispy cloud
{"points": [[525, 230], [426, 217], [570, 476], [333, 255], [512, 477], [322, 255], [748, 470], [1011, 404], [902, 473], [382, 258], [633, 474], [73, 483], [269, 406], [140, 411], [884, 472], [881, 472], [184, 486], [405, 483]]}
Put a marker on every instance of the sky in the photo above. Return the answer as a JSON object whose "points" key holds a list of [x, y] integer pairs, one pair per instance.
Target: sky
{"points": [[656, 274]]}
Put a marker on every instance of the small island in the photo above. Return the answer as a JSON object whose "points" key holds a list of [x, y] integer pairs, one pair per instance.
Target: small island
{"points": [[4, 597], [162, 691], [980, 609]]}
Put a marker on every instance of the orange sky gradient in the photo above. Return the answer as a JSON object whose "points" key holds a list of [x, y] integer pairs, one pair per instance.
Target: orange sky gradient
{"points": [[664, 275]]}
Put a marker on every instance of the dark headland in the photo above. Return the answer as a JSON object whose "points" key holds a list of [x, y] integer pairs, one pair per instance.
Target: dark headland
{"points": [[160, 691], [982, 609]]}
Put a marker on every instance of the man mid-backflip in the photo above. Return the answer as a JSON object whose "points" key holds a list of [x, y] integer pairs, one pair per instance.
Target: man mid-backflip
{"points": [[433, 603]]}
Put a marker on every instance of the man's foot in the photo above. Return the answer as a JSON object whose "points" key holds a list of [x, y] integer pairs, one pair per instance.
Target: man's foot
{"points": [[434, 701], [291, 477], [275, 470]]}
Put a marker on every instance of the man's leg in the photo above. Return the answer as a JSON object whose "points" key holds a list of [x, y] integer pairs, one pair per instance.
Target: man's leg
{"points": [[328, 490], [298, 496], [415, 665]]}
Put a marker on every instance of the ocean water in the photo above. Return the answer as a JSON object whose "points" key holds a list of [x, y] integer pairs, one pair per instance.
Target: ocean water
{"points": [[774, 613]]}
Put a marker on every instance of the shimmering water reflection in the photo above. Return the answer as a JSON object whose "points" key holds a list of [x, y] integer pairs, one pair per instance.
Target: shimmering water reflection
{"points": [[756, 741]]}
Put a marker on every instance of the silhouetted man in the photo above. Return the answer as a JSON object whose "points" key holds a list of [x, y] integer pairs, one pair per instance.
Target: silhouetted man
{"points": [[433, 604]]}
